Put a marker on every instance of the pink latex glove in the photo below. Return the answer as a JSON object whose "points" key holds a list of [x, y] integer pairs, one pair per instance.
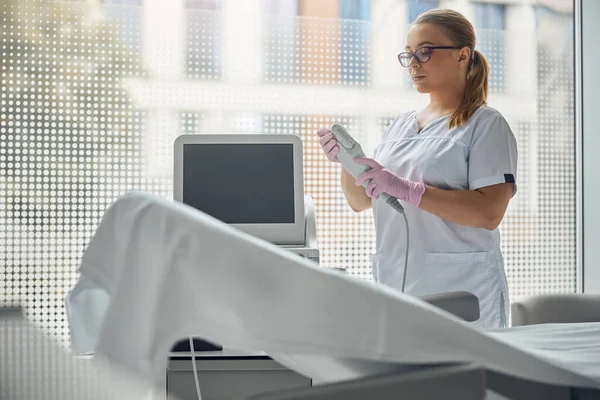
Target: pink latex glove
{"points": [[328, 144], [385, 181]]}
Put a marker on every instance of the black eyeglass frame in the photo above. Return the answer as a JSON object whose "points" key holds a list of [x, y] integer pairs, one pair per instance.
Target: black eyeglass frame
{"points": [[410, 55]]}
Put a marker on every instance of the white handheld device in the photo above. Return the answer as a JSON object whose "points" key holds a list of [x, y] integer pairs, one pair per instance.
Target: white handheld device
{"points": [[349, 150]]}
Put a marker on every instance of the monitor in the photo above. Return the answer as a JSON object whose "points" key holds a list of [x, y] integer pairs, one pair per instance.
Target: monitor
{"points": [[251, 181]]}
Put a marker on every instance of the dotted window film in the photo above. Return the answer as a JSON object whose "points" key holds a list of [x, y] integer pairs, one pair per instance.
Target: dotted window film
{"points": [[345, 238], [69, 141], [283, 63], [33, 366], [491, 44], [91, 104], [316, 51], [418, 7], [489, 19], [354, 47], [190, 123], [203, 43]]}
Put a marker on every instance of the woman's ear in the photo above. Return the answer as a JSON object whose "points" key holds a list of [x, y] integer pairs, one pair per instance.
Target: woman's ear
{"points": [[464, 56]]}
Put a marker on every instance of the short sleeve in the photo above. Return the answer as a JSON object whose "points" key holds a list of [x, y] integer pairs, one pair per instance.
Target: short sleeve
{"points": [[493, 155]]}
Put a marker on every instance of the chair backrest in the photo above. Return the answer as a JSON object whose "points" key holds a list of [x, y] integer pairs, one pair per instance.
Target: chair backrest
{"points": [[464, 305], [556, 308]]}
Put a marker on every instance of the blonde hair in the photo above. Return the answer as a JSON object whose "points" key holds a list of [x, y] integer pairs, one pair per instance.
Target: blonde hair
{"points": [[461, 33]]}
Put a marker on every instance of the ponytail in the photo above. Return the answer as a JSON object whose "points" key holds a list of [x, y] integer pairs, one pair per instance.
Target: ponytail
{"points": [[476, 90]]}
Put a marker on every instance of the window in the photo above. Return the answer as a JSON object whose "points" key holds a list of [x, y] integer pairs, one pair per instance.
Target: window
{"points": [[124, 2], [490, 25], [206, 5], [489, 16], [203, 39], [548, 20], [418, 7], [355, 9], [86, 116], [354, 40]]}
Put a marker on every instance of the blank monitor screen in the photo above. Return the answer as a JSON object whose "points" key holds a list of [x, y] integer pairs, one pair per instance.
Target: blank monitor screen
{"points": [[240, 183]]}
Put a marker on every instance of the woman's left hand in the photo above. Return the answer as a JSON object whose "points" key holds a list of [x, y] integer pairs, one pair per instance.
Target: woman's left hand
{"points": [[385, 181]]}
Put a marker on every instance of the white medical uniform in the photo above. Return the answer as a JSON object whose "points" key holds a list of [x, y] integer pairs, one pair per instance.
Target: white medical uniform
{"points": [[445, 256]]}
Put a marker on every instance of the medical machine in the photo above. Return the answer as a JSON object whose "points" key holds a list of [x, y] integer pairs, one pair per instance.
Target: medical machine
{"points": [[253, 182]]}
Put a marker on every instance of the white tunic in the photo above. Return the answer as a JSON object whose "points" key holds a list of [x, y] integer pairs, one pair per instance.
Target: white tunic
{"points": [[445, 256]]}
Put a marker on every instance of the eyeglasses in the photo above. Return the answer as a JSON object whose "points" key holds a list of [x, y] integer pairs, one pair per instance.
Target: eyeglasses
{"points": [[422, 54]]}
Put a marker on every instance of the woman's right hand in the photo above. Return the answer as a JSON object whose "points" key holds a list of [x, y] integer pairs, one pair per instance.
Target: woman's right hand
{"points": [[355, 195], [329, 144]]}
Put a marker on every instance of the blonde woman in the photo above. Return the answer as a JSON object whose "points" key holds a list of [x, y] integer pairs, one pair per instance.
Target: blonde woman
{"points": [[453, 166]]}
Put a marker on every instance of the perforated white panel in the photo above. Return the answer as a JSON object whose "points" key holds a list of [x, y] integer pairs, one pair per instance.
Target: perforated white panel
{"points": [[86, 115]]}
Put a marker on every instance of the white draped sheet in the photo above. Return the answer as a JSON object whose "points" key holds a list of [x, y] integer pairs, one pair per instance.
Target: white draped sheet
{"points": [[157, 271]]}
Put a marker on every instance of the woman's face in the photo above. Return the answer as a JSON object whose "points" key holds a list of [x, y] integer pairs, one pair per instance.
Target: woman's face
{"points": [[445, 68]]}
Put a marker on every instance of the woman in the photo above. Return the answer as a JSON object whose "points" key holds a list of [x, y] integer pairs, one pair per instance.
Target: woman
{"points": [[452, 165]]}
